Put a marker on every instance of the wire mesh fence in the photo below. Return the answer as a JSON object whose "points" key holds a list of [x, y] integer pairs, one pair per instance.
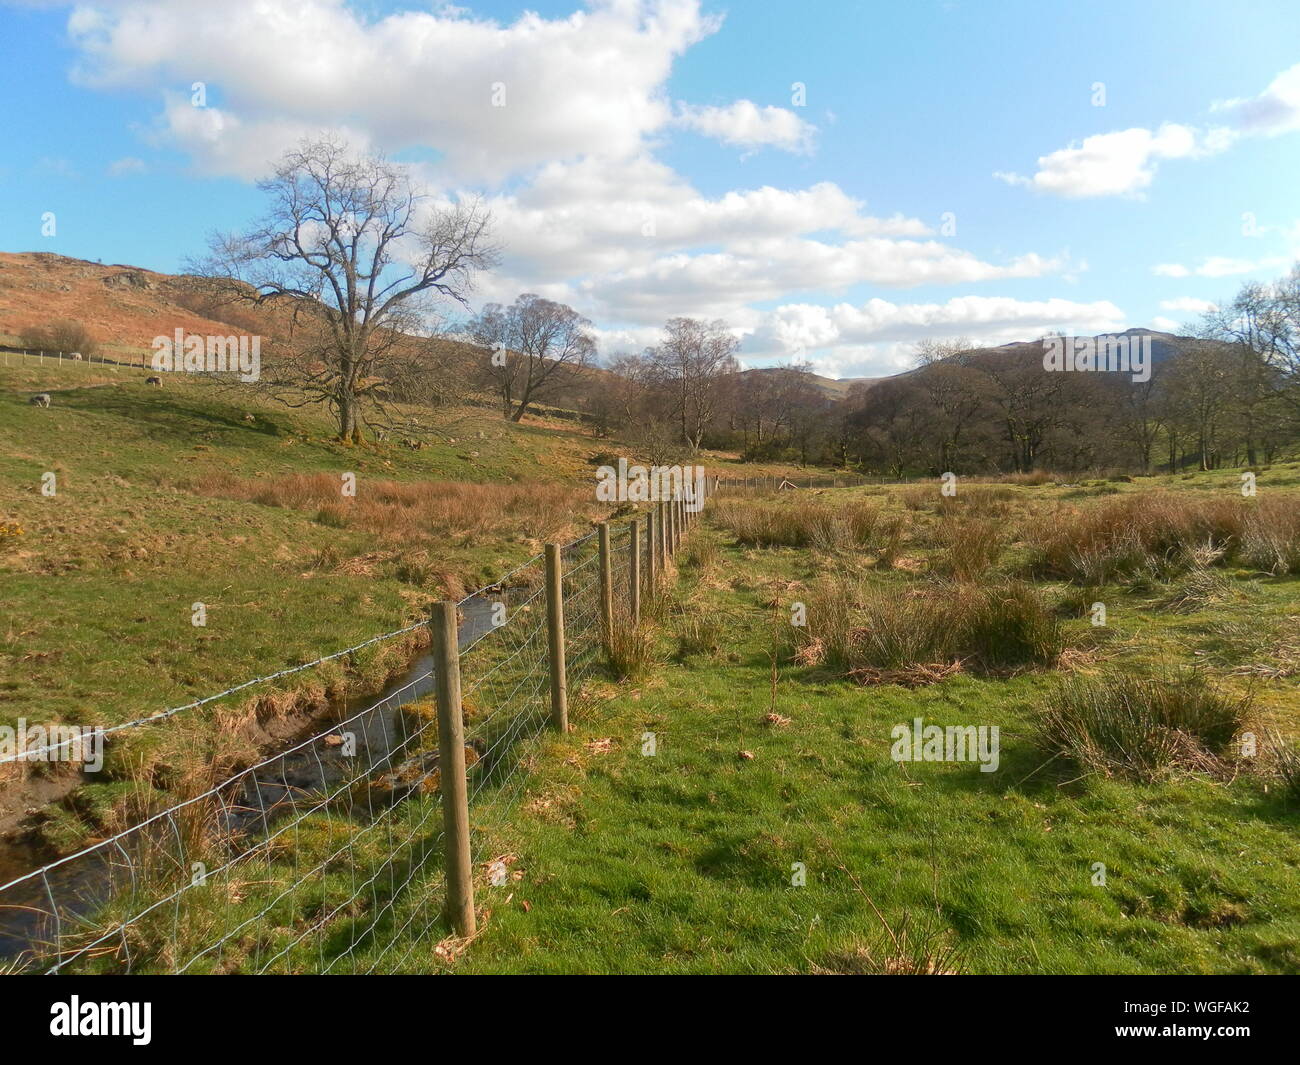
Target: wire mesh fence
{"points": [[328, 856]]}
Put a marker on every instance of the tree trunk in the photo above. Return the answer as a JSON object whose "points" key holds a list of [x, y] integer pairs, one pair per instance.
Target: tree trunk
{"points": [[349, 429]]}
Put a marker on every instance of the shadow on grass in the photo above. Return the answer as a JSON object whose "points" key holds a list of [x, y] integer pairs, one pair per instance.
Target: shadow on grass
{"points": [[177, 417]]}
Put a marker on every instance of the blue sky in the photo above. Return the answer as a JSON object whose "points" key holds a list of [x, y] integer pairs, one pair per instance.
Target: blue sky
{"points": [[650, 159]]}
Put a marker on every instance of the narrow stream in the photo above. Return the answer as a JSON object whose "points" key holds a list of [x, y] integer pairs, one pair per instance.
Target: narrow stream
{"points": [[67, 895]]}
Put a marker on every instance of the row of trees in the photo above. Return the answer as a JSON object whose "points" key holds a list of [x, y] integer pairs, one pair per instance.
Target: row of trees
{"points": [[1227, 394]]}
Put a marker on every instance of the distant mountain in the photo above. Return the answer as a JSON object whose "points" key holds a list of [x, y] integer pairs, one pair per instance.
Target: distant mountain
{"points": [[1163, 347], [125, 307], [832, 387]]}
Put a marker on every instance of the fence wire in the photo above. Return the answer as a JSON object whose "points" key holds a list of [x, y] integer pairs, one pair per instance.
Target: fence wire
{"points": [[327, 856]]}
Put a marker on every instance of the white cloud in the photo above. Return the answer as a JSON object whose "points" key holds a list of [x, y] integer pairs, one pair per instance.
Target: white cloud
{"points": [[1222, 266], [591, 82], [750, 271], [1124, 163], [126, 165], [1115, 164], [1164, 325], [1188, 304], [867, 339], [1275, 110], [746, 125]]}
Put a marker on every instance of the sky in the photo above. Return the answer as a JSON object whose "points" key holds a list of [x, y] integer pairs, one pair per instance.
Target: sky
{"points": [[835, 180]]}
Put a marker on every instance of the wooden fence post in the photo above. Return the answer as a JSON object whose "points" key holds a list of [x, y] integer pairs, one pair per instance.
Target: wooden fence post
{"points": [[451, 771], [606, 581], [651, 554], [555, 639], [634, 573], [661, 537]]}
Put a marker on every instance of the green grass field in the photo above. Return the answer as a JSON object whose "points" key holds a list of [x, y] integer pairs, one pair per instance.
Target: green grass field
{"points": [[96, 618], [682, 862], [768, 761]]}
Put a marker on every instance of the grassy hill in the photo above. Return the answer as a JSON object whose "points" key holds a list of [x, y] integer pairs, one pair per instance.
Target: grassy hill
{"points": [[195, 493], [168, 497]]}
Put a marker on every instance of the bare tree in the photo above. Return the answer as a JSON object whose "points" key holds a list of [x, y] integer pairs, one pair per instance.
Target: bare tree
{"points": [[692, 361], [930, 351], [537, 345], [360, 257]]}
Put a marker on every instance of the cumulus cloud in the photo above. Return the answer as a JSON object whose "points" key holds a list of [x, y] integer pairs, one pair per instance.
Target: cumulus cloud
{"points": [[746, 125], [867, 339], [1275, 110], [555, 122], [1115, 164], [493, 98], [751, 271], [1124, 163]]}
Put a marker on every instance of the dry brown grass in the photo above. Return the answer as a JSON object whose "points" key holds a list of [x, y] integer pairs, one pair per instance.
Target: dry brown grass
{"points": [[1271, 538], [877, 635], [1153, 534], [801, 524], [971, 498], [416, 509], [971, 547]]}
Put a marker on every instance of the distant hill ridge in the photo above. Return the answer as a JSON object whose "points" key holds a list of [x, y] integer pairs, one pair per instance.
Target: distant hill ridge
{"points": [[126, 306]]}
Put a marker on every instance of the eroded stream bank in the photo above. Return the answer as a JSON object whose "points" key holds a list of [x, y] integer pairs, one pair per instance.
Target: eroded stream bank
{"points": [[312, 762]]}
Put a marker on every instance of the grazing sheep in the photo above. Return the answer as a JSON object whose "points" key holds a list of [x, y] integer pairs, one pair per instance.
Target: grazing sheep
{"points": [[77, 355], [156, 381], [40, 400], [249, 418]]}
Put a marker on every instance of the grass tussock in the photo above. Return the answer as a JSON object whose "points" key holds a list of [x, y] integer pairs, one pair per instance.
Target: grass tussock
{"points": [[1286, 759], [799, 524], [1198, 589], [1137, 536], [630, 648], [416, 509], [925, 950], [1270, 540], [881, 636], [698, 634], [701, 554], [1142, 728], [971, 547]]}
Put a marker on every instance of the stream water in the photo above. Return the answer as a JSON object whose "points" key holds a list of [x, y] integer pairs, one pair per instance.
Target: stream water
{"points": [[65, 896]]}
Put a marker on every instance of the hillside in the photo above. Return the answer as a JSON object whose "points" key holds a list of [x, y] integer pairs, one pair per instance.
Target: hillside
{"points": [[124, 307]]}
